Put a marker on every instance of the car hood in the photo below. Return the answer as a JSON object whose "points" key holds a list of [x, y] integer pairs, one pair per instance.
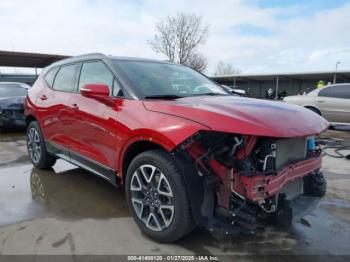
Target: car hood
{"points": [[296, 97], [243, 115], [12, 102]]}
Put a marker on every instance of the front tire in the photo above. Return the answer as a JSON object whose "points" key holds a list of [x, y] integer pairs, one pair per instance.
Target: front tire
{"points": [[36, 147], [157, 197], [315, 184]]}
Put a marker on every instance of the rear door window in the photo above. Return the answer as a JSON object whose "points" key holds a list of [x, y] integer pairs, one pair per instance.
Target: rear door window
{"points": [[340, 91], [96, 73], [65, 78]]}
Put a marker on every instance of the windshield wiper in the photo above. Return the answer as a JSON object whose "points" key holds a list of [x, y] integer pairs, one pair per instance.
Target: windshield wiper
{"points": [[210, 94], [163, 97]]}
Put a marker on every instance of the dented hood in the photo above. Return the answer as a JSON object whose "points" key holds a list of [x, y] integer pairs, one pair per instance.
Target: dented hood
{"points": [[12, 102], [243, 115]]}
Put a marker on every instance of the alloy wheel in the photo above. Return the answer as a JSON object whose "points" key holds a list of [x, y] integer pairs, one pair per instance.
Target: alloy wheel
{"points": [[34, 146], [152, 197]]}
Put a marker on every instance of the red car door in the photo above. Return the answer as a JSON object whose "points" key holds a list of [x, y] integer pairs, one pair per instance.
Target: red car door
{"points": [[53, 101], [91, 137]]}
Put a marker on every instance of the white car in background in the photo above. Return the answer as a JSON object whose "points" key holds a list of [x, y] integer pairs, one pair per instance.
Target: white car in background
{"points": [[332, 102], [235, 91]]}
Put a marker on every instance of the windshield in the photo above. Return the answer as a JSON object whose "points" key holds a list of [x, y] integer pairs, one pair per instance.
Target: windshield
{"points": [[313, 92], [7, 91], [154, 79]]}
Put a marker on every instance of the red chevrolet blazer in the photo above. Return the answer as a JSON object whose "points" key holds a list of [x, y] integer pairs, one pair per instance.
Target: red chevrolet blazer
{"points": [[187, 151]]}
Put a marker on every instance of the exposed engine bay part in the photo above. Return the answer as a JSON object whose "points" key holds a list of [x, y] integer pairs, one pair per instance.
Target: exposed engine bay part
{"points": [[246, 179]]}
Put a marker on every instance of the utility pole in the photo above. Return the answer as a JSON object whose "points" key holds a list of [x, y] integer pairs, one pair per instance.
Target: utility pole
{"points": [[335, 73], [277, 87]]}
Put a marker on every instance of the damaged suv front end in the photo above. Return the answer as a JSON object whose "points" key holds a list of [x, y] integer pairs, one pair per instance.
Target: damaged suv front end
{"points": [[186, 151], [247, 179], [12, 97]]}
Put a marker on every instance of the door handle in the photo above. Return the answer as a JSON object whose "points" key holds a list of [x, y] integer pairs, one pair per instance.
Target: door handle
{"points": [[320, 101], [43, 97], [75, 107]]}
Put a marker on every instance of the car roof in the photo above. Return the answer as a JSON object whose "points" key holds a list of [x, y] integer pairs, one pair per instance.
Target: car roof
{"points": [[340, 84], [93, 56]]}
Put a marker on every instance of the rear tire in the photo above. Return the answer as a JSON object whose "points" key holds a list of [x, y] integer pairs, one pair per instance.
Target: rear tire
{"points": [[170, 217], [37, 149]]}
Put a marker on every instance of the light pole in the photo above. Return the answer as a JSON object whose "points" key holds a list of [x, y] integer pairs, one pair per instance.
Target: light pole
{"points": [[335, 73]]}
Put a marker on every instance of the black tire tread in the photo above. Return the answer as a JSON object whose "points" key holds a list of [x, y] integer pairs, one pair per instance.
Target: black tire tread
{"points": [[184, 224]]}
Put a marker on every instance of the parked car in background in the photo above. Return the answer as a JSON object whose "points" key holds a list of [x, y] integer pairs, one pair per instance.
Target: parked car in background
{"points": [[12, 97], [187, 152], [332, 102]]}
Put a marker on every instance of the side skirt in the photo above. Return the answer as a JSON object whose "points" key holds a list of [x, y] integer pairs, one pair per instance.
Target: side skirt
{"points": [[81, 161]]}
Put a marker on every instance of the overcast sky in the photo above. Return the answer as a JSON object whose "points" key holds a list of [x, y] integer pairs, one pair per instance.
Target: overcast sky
{"points": [[254, 35]]}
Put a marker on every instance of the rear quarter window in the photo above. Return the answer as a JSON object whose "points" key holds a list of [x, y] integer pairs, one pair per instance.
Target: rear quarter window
{"points": [[50, 76]]}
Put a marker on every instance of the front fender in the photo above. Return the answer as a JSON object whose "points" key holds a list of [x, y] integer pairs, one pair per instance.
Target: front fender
{"points": [[166, 139]]}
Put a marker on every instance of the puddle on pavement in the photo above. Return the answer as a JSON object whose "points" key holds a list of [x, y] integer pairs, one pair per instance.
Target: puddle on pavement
{"points": [[322, 232], [64, 191]]}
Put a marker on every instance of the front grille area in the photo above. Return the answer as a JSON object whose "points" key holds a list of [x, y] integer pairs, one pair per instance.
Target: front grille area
{"points": [[290, 150], [13, 114]]}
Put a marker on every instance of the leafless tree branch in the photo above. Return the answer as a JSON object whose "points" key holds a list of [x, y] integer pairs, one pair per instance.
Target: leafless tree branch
{"points": [[197, 62], [223, 68], [178, 38]]}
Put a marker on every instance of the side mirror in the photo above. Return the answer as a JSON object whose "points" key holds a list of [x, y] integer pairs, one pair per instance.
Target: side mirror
{"points": [[99, 92], [91, 90]]}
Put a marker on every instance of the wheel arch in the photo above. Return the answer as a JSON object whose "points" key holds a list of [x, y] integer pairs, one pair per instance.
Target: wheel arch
{"points": [[313, 108], [132, 150], [141, 140], [30, 118]]}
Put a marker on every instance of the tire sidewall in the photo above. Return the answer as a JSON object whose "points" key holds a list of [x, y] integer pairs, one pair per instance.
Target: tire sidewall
{"points": [[177, 188], [41, 161]]}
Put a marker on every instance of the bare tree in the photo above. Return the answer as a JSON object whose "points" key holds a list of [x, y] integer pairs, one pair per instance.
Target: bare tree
{"points": [[178, 37], [223, 68], [197, 61]]}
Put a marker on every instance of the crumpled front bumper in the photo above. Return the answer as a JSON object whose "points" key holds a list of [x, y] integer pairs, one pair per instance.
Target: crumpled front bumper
{"points": [[289, 204], [260, 187]]}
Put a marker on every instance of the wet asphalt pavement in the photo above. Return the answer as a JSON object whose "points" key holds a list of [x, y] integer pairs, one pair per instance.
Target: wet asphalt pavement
{"points": [[66, 210]]}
